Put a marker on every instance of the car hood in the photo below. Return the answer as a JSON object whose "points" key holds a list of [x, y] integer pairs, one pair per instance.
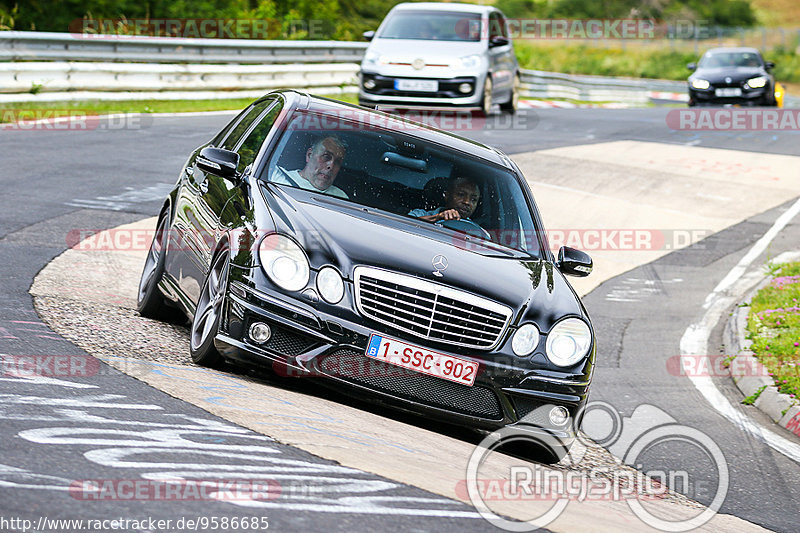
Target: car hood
{"points": [[347, 235], [432, 52], [718, 75]]}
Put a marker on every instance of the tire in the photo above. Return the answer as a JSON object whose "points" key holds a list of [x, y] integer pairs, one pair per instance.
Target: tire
{"points": [[486, 100], [150, 302], [513, 102], [205, 323]]}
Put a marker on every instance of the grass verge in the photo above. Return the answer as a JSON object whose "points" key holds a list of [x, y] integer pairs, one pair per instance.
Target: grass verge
{"points": [[32, 110], [774, 327], [634, 61]]}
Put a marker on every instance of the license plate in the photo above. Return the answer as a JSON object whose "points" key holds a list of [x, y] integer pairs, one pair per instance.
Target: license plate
{"points": [[728, 91], [422, 360], [426, 86]]}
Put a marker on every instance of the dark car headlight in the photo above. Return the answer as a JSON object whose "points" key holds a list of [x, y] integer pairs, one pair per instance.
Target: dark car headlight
{"points": [[330, 284], [284, 262], [525, 340], [757, 83], [698, 83], [568, 342]]}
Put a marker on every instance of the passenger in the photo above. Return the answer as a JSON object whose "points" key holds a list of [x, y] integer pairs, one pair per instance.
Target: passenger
{"points": [[323, 161], [460, 201]]}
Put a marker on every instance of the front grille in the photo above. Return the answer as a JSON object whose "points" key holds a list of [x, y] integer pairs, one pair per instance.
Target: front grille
{"points": [[534, 412], [357, 368], [429, 310]]}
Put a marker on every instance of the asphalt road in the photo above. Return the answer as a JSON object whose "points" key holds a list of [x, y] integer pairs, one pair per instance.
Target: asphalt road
{"points": [[54, 182]]}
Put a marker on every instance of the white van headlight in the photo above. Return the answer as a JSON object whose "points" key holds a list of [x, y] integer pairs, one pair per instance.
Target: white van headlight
{"points": [[469, 61], [568, 342], [284, 262]]}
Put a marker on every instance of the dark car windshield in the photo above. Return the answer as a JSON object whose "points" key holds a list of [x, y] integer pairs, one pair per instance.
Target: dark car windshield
{"points": [[432, 26], [386, 167], [730, 59]]}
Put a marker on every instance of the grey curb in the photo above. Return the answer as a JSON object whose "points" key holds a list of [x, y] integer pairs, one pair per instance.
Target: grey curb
{"points": [[750, 375]]}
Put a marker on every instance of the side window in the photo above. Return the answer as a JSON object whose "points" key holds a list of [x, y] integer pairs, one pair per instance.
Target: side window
{"points": [[495, 25], [224, 132], [241, 128], [252, 143]]}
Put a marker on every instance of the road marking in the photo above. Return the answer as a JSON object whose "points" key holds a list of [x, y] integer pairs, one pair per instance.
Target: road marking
{"points": [[694, 342], [125, 200]]}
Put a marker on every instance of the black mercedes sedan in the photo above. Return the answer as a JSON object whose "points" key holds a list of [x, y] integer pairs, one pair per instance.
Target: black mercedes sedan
{"points": [[390, 260], [732, 76]]}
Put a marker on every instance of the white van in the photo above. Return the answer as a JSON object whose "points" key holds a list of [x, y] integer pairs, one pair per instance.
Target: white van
{"points": [[440, 55]]}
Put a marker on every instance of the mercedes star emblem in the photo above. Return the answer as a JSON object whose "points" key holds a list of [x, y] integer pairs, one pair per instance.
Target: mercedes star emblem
{"points": [[728, 80], [418, 64], [439, 263]]}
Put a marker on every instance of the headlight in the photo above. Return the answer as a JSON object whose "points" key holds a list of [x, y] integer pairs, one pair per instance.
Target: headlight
{"points": [[330, 284], [525, 340], [284, 262], [568, 342], [370, 58], [469, 61], [697, 83], [757, 83]]}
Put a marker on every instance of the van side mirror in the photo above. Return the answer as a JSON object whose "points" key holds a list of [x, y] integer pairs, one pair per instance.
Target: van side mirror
{"points": [[368, 35], [692, 66], [769, 65], [498, 40]]}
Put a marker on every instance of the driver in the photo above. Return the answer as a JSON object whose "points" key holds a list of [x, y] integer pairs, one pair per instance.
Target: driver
{"points": [[460, 200]]}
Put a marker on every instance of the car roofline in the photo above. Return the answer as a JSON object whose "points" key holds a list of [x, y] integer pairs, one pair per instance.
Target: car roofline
{"points": [[304, 101]]}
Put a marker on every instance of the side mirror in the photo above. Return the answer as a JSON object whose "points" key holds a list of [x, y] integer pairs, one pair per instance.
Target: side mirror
{"points": [[498, 40], [769, 65], [692, 66], [573, 262], [218, 161], [368, 35]]}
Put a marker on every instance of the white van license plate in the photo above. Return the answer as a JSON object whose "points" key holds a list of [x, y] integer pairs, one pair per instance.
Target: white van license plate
{"points": [[423, 86]]}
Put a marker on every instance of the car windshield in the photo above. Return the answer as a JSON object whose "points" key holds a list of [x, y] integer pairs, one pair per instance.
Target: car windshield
{"points": [[387, 168], [432, 26], [730, 59]]}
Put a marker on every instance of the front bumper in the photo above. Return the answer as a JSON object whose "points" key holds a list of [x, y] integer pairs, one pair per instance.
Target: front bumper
{"points": [[448, 94], [307, 343], [749, 97]]}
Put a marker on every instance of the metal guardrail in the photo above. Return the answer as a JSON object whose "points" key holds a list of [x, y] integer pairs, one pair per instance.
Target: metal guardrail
{"points": [[61, 76], [44, 46], [541, 84], [58, 62]]}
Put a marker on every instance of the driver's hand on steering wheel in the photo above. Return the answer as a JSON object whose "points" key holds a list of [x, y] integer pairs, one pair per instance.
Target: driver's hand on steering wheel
{"points": [[448, 214]]}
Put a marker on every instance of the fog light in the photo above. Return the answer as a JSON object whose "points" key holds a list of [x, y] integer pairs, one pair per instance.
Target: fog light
{"points": [[559, 415], [465, 88], [369, 84], [260, 333]]}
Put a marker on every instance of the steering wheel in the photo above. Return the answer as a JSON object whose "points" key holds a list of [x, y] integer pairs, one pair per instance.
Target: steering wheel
{"points": [[465, 226]]}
